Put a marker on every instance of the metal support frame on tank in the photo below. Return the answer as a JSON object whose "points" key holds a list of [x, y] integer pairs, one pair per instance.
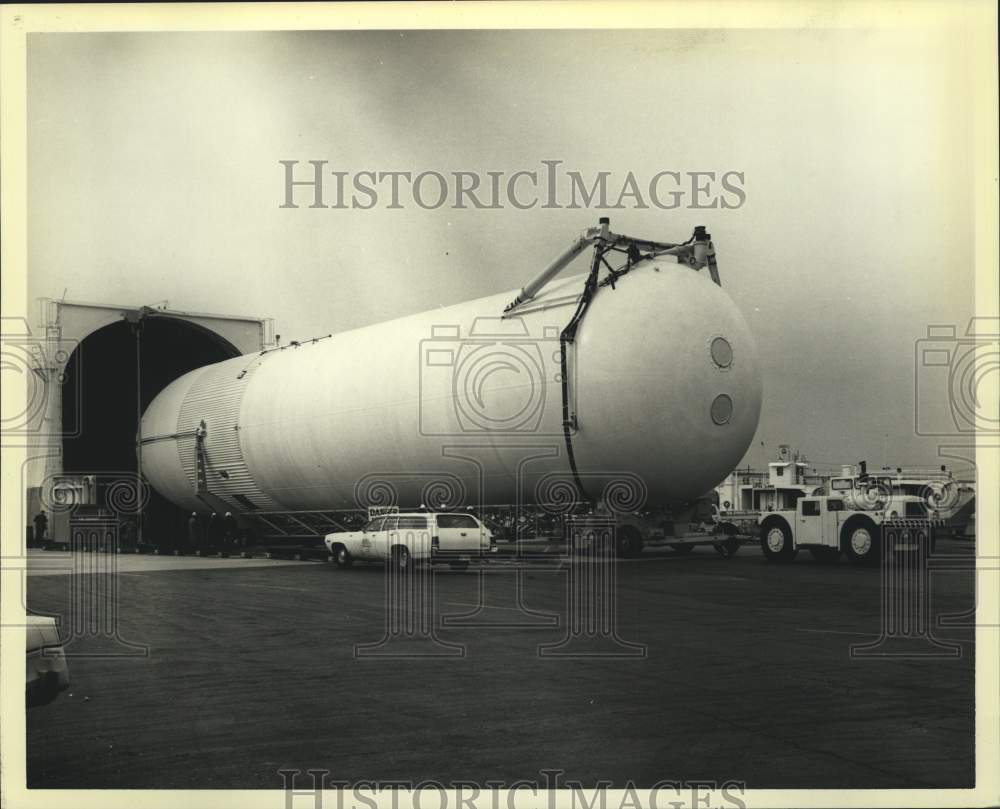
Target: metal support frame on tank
{"points": [[697, 252], [332, 517], [201, 460], [272, 519]]}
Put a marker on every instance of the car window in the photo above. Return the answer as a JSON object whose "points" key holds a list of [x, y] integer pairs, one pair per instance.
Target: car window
{"points": [[410, 523], [915, 510], [375, 525], [390, 523], [834, 505], [810, 508], [456, 521]]}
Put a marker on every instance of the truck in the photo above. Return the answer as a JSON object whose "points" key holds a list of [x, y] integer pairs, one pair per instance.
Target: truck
{"points": [[947, 497], [828, 527], [46, 671]]}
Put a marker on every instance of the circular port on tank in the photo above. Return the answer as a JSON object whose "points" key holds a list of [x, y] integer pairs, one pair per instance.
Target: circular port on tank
{"points": [[722, 352], [722, 409]]}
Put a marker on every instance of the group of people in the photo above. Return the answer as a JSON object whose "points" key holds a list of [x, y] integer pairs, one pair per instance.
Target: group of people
{"points": [[216, 532]]}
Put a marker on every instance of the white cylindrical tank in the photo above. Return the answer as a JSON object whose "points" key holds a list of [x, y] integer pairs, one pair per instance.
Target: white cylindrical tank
{"points": [[460, 406]]}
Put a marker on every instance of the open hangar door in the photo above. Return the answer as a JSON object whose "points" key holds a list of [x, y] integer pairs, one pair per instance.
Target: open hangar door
{"points": [[123, 357]]}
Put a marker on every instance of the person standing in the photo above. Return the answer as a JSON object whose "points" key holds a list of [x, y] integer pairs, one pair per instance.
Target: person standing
{"points": [[231, 527], [127, 534], [214, 530], [194, 531], [41, 527]]}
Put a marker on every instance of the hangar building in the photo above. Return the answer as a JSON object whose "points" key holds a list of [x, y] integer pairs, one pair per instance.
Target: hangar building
{"points": [[95, 369]]}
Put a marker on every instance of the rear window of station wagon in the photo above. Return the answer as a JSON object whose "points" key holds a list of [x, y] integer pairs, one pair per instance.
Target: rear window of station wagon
{"points": [[404, 524], [456, 521], [411, 523]]}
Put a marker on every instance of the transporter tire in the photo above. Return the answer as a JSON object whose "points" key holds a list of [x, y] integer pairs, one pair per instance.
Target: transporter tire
{"points": [[342, 557], [826, 556], [861, 541], [629, 542], [776, 541], [730, 547]]}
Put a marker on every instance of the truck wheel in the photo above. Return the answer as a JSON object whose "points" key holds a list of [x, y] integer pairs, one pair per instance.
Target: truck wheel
{"points": [[342, 557], [682, 548], [400, 558], [629, 542], [776, 541], [861, 541], [826, 556], [730, 547]]}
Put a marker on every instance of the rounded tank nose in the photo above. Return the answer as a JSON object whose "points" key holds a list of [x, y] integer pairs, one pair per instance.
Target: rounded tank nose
{"points": [[667, 386]]}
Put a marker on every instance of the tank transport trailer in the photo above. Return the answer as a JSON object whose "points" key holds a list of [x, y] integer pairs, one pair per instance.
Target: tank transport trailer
{"points": [[630, 390], [401, 539]]}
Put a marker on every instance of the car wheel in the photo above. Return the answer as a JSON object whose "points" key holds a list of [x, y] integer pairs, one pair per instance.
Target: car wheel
{"points": [[861, 541], [401, 559], [776, 541], [342, 557]]}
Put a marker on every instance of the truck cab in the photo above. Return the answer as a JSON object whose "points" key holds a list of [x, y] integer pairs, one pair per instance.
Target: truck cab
{"points": [[403, 539], [827, 526]]}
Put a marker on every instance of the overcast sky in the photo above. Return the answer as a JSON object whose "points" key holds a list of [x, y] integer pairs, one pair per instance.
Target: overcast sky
{"points": [[154, 174]]}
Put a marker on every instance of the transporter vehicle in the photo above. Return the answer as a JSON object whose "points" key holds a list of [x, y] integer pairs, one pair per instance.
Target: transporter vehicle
{"points": [[633, 388], [46, 670], [951, 499], [406, 538], [680, 529], [827, 527]]}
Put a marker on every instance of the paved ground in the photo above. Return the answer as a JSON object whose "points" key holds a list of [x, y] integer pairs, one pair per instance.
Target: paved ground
{"points": [[747, 675], [51, 563]]}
